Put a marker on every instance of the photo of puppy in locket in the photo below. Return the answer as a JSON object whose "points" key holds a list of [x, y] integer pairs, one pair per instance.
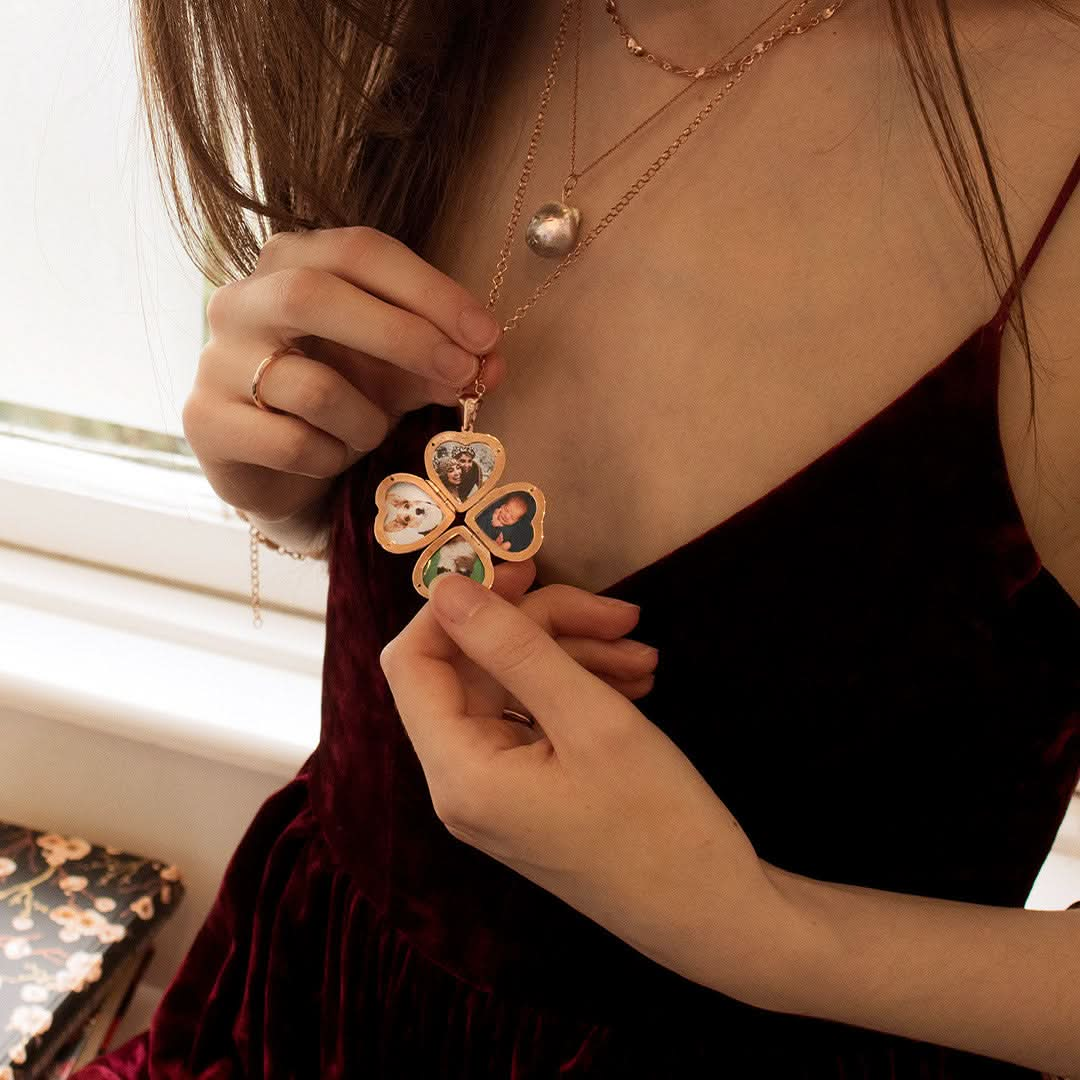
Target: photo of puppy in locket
{"points": [[410, 513], [456, 555]]}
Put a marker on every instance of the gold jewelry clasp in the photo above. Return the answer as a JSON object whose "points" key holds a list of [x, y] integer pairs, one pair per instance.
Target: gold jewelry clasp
{"points": [[470, 406]]}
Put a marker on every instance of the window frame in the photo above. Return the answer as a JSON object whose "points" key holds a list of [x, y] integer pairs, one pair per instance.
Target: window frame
{"points": [[147, 514]]}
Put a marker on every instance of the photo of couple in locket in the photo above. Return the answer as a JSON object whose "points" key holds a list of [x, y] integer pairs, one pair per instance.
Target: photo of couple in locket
{"points": [[463, 469]]}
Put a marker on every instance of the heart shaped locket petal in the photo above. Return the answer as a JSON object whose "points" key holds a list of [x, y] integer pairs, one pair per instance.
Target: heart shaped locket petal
{"points": [[409, 512], [456, 552], [463, 465], [510, 520]]}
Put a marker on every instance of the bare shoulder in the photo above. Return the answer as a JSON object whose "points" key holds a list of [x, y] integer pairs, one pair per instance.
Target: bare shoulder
{"points": [[1049, 496]]}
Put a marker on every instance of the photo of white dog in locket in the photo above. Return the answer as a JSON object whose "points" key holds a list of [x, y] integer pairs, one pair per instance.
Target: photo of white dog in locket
{"points": [[410, 513]]}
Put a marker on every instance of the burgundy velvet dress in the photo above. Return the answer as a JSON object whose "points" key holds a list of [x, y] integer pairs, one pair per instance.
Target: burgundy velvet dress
{"points": [[868, 664]]}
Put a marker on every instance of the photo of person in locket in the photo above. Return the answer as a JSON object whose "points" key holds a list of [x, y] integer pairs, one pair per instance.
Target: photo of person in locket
{"points": [[508, 521], [471, 475], [459, 470]]}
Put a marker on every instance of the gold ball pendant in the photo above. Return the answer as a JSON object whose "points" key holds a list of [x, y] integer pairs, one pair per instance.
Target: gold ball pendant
{"points": [[553, 230]]}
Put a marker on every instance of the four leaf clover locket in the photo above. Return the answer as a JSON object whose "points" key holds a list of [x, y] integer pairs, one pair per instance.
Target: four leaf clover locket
{"points": [[463, 469]]}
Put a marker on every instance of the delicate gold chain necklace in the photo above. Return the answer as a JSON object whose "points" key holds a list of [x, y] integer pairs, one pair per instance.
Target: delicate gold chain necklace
{"points": [[463, 467], [717, 67], [574, 175], [631, 193]]}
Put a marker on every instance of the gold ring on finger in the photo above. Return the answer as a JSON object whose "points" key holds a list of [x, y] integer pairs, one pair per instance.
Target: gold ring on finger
{"points": [[256, 379], [519, 717]]}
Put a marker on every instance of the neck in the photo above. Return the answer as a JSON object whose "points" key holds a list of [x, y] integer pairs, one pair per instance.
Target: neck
{"points": [[693, 33], [690, 33]]}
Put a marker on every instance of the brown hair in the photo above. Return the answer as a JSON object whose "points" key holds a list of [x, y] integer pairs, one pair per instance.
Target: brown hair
{"points": [[350, 112]]}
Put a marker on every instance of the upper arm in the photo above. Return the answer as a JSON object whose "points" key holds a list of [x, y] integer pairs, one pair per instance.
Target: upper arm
{"points": [[1049, 497]]}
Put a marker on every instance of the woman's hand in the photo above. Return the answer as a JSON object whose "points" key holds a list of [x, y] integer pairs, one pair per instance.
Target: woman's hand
{"points": [[380, 333], [595, 804], [586, 627]]}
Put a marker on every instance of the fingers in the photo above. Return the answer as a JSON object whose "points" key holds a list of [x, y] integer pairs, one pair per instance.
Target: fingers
{"points": [[367, 292], [513, 579], [631, 689], [400, 391], [625, 665], [400, 358], [320, 413], [430, 695], [383, 266], [566, 610], [508, 644], [302, 301], [375, 327], [624, 659]]}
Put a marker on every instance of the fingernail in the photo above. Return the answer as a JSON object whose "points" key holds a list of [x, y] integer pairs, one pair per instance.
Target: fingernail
{"points": [[478, 327], [615, 602], [456, 597], [641, 649], [454, 364]]}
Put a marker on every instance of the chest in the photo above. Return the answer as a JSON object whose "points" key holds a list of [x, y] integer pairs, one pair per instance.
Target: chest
{"points": [[771, 289]]}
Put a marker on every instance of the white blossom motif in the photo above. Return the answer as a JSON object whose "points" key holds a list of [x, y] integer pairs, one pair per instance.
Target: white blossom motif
{"points": [[59, 897], [17, 948], [31, 1020], [143, 907], [81, 968]]}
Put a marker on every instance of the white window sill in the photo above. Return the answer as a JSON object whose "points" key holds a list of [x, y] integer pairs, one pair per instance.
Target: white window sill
{"points": [[159, 664], [148, 516]]}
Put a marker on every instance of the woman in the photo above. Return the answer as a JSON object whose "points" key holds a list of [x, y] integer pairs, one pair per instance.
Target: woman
{"points": [[866, 603], [460, 473], [470, 473], [450, 472]]}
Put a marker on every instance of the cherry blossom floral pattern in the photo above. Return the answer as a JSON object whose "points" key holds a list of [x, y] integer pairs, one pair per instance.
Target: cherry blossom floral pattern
{"points": [[69, 911], [462, 472]]}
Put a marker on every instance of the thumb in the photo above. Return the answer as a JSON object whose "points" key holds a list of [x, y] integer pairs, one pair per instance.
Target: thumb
{"points": [[509, 645]]}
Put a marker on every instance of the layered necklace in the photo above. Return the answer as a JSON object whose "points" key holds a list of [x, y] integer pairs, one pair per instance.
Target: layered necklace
{"points": [[463, 468]]}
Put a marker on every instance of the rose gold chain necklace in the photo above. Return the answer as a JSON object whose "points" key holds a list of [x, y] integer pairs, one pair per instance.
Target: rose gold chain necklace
{"points": [[708, 72], [717, 67], [463, 467], [631, 193]]}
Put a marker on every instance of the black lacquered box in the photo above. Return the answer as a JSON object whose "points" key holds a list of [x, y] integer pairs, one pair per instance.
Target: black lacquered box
{"points": [[71, 913]]}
